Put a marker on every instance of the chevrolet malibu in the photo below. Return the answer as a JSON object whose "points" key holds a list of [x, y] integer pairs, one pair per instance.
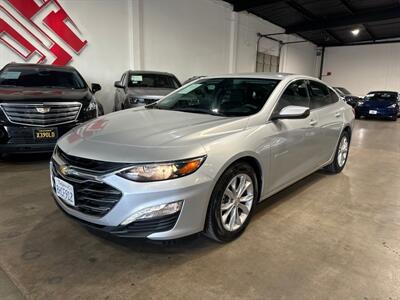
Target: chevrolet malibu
{"points": [[200, 159]]}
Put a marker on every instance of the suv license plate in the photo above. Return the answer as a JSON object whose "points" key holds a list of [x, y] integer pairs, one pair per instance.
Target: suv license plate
{"points": [[373, 112], [64, 191], [47, 134]]}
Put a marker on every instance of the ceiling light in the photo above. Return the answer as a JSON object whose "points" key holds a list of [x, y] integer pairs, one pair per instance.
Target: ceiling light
{"points": [[355, 32]]}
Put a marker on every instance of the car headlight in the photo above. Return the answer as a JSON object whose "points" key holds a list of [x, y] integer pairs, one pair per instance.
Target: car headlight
{"points": [[162, 171], [360, 103], [92, 105], [133, 100], [392, 106]]}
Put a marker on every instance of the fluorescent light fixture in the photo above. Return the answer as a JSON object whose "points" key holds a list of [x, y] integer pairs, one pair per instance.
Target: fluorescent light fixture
{"points": [[355, 32]]}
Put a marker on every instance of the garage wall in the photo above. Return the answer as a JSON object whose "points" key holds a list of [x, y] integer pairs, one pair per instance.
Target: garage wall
{"points": [[192, 37], [364, 68], [185, 37]]}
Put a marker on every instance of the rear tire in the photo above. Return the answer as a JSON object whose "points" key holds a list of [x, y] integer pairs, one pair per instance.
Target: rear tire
{"points": [[341, 154], [232, 203]]}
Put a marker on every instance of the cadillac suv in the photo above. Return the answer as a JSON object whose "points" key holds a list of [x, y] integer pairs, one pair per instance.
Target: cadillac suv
{"points": [[39, 103], [200, 159]]}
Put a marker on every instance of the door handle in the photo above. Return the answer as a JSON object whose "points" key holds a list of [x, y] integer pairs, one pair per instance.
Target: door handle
{"points": [[338, 114], [313, 122]]}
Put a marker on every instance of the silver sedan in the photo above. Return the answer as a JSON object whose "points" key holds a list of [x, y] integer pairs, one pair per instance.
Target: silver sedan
{"points": [[200, 159]]}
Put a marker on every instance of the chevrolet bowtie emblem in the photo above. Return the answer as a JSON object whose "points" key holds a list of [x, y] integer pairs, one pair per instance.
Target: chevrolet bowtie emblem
{"points": [[43, 110], [65, 170]]}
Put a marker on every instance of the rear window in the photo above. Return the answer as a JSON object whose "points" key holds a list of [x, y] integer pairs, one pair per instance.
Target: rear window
{"points": [[152, 81], [41, 77], [384, 96]]}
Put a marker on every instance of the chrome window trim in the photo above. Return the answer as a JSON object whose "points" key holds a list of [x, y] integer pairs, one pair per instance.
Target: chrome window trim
{"points": [[41, 104]]}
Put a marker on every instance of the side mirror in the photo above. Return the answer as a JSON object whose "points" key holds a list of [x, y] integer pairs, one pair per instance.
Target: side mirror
{"points": [[118, 84], [95, 88], [292, 112]]}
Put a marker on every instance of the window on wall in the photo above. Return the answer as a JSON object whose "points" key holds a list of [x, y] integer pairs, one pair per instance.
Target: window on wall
{"points": [[267, 63]]}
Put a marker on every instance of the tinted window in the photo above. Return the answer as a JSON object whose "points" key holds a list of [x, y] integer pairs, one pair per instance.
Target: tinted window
{"points": [[295, 94], [382, 96], [221, 96], [41, 77], [334, 96], [152, 81], [319, 94]]}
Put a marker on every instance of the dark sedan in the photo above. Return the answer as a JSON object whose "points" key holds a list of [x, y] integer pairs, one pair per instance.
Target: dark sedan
{"points": [[379, 104], [350, 99]]}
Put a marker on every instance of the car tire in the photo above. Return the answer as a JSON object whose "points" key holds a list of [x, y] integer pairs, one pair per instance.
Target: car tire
{"points": [[394, 118], [228, 216], [341, 154]]}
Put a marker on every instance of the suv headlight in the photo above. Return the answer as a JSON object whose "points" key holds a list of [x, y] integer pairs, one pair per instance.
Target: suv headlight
{"points": [[92, 106], [392, 106], [162, 171]]}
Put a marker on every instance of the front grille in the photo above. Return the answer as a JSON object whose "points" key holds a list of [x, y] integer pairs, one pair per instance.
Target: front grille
{"points": [[91, 197], [43, 114], [94, 166], [146, 227]]}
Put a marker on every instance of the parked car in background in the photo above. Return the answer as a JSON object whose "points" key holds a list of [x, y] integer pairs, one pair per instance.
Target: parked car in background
{"points": [[201, 158], [379, 104], [39, 103], [138, 88], [347, 96]]}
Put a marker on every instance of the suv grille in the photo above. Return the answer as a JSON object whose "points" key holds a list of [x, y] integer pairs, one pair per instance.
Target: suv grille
{"points": [[43, 115], [91, 197]]}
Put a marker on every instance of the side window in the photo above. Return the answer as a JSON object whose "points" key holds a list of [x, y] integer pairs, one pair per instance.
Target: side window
{"points": [[334, 96], [319, 94], [295, 94]]}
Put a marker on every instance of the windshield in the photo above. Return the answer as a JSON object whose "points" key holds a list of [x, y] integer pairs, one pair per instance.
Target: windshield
{"points": [[382, 96], [221, 96], [152, 81], [41, 77]]}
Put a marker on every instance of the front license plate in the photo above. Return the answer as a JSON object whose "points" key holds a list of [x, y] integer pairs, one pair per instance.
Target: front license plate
{"points": [[64, 191], [372, 112], [47, 134]]}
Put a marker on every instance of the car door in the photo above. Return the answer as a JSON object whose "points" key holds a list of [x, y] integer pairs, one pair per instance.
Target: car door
{"points": [[325, 103], [292, 147]]}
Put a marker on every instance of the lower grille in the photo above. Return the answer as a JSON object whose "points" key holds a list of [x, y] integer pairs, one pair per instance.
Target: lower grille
{"points": [[91, 197], [146, 227], [43, 114]]}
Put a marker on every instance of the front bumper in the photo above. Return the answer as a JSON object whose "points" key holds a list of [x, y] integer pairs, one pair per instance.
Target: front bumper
{"points": [[194, 190], [380, 112], [20, 139]]}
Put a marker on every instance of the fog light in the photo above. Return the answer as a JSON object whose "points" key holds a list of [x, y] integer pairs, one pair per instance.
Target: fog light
{"points": [[154, 212]]}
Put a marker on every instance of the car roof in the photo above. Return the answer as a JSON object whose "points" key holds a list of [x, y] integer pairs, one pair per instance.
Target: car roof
{"points": [[150, 72], [276, 76], [40, 66], [381, 92]]}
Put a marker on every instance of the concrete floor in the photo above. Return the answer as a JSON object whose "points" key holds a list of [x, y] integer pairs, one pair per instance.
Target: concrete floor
{"points": [[327, 237]]}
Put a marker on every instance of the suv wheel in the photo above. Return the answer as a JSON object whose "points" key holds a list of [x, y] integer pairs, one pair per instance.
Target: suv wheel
{"points": [[232, 202], [342, 152]]}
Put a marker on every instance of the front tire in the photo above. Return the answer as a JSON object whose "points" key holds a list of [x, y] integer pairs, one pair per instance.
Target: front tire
{"points": [[232, 203], [341, 154]]}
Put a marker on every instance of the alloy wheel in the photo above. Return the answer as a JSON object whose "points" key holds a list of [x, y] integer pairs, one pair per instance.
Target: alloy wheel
{"points": [[343, 151], [237, 202]]}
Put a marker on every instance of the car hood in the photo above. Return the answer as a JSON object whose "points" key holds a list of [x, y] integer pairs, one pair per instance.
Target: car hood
{"points": [[147, 135], [43, 95], [138, 92]]}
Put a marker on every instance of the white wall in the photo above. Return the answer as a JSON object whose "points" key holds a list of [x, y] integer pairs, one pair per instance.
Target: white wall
{"points": [[184, 37], [364, 68]]}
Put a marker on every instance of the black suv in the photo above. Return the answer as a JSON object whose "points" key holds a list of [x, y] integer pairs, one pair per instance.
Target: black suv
{"points": [[39, 103]]}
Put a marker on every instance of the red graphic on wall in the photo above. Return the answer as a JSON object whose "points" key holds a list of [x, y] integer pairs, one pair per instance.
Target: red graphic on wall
{"points": [[45, 18]]}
